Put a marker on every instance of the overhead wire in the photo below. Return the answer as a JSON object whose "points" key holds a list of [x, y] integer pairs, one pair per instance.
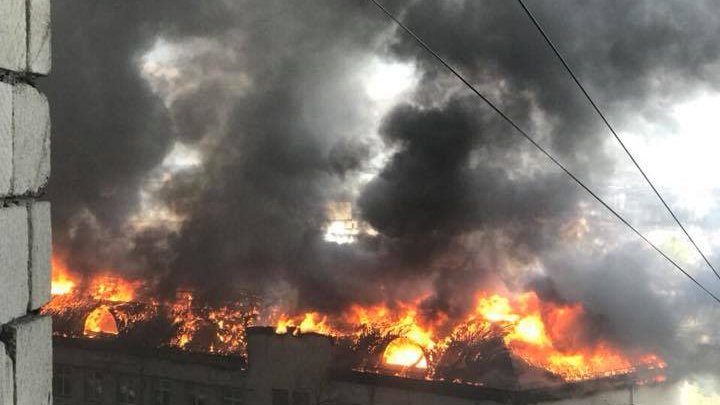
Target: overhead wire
{"points": [[575, 78], [547, 154]]}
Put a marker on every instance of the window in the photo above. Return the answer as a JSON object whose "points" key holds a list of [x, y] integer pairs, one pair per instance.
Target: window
{"points": [[198, 396], [301, 398], [61, 382], [162, 392], [280, 397], [198, 399], [126, 394], [93, 386], [233, 396]]}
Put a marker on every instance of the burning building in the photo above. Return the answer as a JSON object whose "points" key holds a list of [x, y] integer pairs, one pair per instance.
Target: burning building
{"points": [[224, 152], [114, 343], [290, 368]]}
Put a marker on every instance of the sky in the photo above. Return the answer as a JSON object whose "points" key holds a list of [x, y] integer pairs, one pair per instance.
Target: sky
{"points": [[200, 143]]}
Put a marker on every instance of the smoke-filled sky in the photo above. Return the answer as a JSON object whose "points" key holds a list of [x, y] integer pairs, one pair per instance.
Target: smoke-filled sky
{"points": [[198, 143]]}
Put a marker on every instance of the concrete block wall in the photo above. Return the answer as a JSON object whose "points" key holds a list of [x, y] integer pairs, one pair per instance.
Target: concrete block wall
{"points": [[25, 230]]}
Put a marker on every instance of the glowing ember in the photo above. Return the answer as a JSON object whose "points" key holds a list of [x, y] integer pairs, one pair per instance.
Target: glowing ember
{"points": [[404, 352], [110, 288], [231, 323], [185, 319], [100, 321]]}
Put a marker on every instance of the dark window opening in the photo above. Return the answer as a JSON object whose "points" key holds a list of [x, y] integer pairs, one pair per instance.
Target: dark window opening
{"points": [[126, 394], [61, 382], [94, 386], [198, 397], [280, 397], [301, 398], [163, 391], [233, 396]]}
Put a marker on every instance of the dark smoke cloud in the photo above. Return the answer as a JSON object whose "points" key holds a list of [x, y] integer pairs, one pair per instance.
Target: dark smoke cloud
{"points": [[110, 131], [269, 95], [431, 187], [643, 303]]}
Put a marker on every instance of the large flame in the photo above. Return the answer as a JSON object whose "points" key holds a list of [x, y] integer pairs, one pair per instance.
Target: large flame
{"points": [[404, 352], [309, 322], [402, 322], [62, 281], [550, 335], [546, 334], [102, 287]]}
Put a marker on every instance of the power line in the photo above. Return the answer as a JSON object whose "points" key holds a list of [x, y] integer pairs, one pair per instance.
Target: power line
{"points": [[539, 147], [617, 137]]}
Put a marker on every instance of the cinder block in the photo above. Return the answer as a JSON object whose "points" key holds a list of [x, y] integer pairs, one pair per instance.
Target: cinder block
{"points": [[40, 253], [7, 387], [38, 53], [14, 256], [6, 137], [31, 154], [30, 343], [13, 37]]}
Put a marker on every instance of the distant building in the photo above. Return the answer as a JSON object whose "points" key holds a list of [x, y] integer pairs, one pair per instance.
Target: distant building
{"points": [[342, 227]]}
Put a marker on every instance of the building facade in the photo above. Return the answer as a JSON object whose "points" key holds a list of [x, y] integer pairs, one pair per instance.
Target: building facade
{"points": [[98, 372], [25, 241], [288, 369]]}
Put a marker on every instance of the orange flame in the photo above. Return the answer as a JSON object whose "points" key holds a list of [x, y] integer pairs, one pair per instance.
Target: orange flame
{"points": [[99, 321], [545, 334], [549, 335], [406, 353], [112, 288], [402, 323], [105, 286], [185, 318], [312, 322], [62, 281]]}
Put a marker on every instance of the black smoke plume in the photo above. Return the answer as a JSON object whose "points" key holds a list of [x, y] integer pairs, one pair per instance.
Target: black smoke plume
{"points": [[269, 95]]}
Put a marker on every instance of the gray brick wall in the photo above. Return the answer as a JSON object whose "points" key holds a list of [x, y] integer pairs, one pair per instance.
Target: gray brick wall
{"points": [[25, 231]]}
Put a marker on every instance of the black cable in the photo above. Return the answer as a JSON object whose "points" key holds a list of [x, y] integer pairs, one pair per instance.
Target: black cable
{"points": [[539, 147], [617, 137]]}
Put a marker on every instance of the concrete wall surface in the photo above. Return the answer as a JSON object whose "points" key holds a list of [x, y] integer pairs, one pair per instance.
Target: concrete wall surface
{"points": [[25, 231], [287, 369]]}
